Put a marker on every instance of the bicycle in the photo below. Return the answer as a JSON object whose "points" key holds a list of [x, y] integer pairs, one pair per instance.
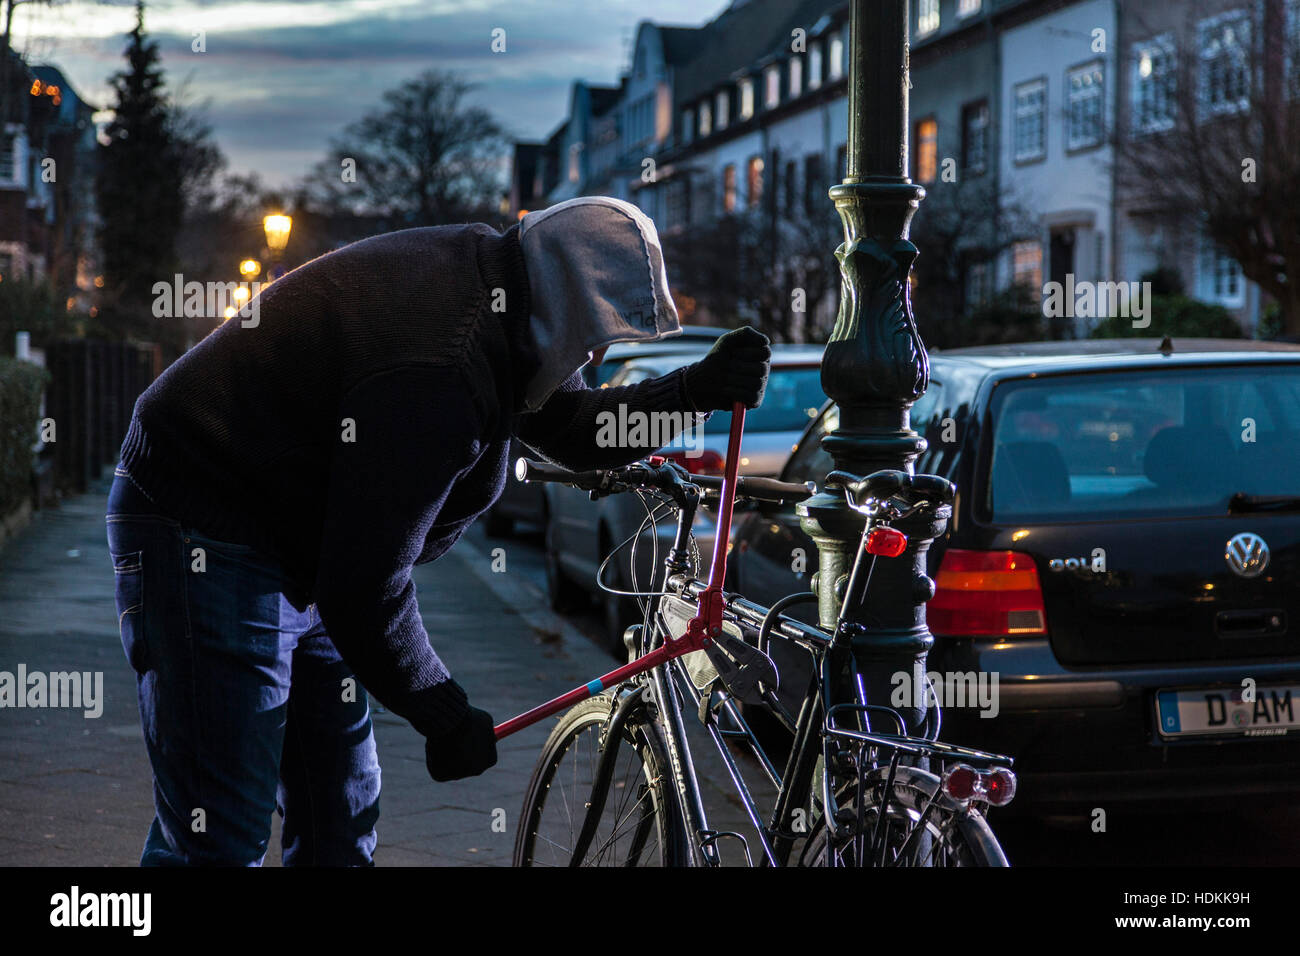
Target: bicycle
{"points": [[616, 781]]}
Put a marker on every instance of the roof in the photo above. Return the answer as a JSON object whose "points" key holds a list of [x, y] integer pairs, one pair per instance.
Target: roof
{"points": [[681, 44], [740, 37], [603, 98], [1090, 354]]}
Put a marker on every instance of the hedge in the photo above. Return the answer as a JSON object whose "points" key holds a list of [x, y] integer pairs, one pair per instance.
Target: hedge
{"points": [[20, 403]]}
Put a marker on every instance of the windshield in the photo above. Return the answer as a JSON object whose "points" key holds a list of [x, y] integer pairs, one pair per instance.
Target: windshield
{"points": [[793, 398], [1163, 442]]}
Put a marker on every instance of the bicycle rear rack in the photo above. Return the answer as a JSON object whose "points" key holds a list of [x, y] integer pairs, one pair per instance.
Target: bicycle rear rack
{"points": [[907, 743]]}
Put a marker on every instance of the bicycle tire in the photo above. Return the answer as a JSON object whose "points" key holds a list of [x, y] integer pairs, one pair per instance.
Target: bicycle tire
{"points": [[643, 746], [969, 837]]}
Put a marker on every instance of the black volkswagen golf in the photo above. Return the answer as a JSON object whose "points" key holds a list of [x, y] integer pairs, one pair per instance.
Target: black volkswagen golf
{"points": [[1121, 575]]}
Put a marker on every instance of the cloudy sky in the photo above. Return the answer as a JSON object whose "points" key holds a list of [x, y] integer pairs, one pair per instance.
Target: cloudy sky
{"points": [[279, 77]]}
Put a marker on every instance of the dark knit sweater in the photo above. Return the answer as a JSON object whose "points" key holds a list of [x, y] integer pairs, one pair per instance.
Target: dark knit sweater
{"points": [[360, 426]]}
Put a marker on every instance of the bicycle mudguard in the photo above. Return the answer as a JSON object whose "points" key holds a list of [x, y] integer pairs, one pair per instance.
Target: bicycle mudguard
{"points": [[728, 658]]}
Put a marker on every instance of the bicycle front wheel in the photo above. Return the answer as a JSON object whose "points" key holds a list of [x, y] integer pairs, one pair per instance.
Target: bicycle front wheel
{"points": [[639, 823], [919, 829]]}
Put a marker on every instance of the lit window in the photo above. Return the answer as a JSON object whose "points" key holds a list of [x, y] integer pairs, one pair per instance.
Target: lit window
{"points": [[1155, 76], [814, 66], [1030, 106], [729, 188], [927, 150], [1219, 277], [1027, 265], [706, 119], [796, 76], [746, 98], [927, 16], [723, 109], [754, 180], [1083, 122], [1225, 62], [966, 8], [835, 69], [771, 87], [975, 136]]}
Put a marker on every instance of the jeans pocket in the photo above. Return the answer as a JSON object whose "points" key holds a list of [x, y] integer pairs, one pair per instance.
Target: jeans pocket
{"points": [[128, 568]]}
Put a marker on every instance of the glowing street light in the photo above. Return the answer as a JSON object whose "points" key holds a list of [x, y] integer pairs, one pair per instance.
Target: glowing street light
{"points": [[277, 228], [250, 268]]}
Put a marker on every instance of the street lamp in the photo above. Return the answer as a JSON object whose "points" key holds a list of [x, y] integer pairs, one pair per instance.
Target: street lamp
{"points": [[875, 365], [250, 269], [276, 226]]}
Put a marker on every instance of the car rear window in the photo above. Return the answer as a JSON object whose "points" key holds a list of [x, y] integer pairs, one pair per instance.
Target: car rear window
{"points": [[793, 399], [1153, 443]]}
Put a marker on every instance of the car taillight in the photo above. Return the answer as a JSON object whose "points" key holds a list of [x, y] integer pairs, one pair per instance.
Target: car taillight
{"points": [[705, 463], [986, 593]]}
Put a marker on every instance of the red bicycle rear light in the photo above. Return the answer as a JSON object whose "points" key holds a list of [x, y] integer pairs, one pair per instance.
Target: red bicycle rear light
{"points": [[986, 594], [886, 542], [704, 463], [961, 782], [999, 786]]}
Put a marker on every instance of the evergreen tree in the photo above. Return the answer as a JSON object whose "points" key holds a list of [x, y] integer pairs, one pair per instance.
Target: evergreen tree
{"points": [[140, 196]]}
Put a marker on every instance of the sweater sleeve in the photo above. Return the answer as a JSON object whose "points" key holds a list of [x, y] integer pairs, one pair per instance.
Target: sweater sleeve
{"points": [[414, 431], [568, 428]]}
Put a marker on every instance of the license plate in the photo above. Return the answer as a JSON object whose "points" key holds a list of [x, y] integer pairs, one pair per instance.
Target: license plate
{"points": [[1222, 710]]}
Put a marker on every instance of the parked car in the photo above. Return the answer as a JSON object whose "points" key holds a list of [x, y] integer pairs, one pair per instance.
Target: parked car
{"points": [[1124, 555], [525, 502], [581, 533]]}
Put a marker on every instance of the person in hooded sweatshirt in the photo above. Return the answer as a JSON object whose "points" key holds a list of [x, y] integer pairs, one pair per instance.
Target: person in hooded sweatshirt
{"points": [[278, 483]]}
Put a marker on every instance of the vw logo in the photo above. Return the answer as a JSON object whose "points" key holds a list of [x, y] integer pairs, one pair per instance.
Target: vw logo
{"points": [[1246, 554]]}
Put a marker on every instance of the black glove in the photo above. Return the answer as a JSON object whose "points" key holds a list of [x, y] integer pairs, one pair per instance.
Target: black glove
{"points": [[735, 370], [464, 752]]}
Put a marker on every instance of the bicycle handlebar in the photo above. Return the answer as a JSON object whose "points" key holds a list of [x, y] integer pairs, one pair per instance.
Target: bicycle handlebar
{"points": [[659, 476]]}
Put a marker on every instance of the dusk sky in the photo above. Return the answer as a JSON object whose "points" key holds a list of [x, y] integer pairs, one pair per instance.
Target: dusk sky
{"points": [[279, 77]]}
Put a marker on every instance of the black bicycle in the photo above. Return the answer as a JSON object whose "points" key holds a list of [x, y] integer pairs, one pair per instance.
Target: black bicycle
{"points": [[616, 783]]}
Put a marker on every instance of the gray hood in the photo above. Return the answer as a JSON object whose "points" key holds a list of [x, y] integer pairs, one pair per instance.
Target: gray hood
{"points": [[595, 277]]}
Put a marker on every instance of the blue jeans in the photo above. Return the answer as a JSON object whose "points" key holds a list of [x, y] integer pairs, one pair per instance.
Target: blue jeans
{"points": [[245, 703]]}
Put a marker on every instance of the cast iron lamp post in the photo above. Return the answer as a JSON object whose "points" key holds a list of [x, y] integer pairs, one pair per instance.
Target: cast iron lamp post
{"points": [[875, 365]]}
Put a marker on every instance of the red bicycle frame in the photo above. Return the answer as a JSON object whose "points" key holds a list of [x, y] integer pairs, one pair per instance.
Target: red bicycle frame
{"points": [[706, 624]]}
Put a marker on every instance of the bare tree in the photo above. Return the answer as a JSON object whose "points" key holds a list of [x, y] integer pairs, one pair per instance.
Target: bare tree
{"points": [[426, 158], [1217, 146]]}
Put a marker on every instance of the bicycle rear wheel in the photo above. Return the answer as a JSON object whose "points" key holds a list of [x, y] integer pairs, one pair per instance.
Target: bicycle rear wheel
{"points": [[919, 829], [639, 825]]}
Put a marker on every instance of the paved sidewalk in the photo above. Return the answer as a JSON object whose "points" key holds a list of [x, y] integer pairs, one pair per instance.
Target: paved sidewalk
{"points": [[76, 790]]}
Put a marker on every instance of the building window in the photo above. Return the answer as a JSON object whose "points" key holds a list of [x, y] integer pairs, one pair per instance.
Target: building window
{"points": [[835, 69], [814, 185], [1225, 62], [975, 137], [927, 151], [706, 119], [966, 8], [754, 181], [8, 155], [814, 66], [1155, 78], [745, 108], [771, 87], [688, 125], [1083, 118], [1027, 265], [1030, 107], [1219, 277], [791, 193], [575, 162], [796, 76], [976, 292], [927, 17], [729, 188], [679, 203]]}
